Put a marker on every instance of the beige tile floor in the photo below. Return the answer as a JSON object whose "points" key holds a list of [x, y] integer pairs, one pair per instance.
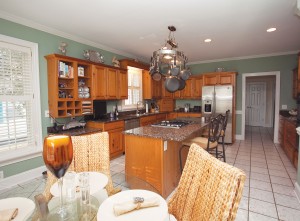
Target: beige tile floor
{"points": [[269, 190]]}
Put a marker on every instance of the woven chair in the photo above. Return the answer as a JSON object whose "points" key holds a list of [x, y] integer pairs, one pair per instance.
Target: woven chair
{"points": [[90, 153], [209, 189], [209, 143]]}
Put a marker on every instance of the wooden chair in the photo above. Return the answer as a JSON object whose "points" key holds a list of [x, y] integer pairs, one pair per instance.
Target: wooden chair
{"points": [[209, 189], [209, 143], [90, 153]]}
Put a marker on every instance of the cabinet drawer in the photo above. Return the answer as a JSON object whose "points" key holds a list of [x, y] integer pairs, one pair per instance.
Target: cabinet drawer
{"points": [[113, 125]]}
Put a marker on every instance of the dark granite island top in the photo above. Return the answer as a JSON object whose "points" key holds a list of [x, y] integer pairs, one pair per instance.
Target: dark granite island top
{"points": [[172, 134]]}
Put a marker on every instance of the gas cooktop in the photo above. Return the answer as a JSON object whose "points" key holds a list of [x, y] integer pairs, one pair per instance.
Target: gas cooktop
{"points": [[171, 124]]}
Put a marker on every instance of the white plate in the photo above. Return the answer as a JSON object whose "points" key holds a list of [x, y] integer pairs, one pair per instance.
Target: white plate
{"points": [[25, 206], [158, 213], [97, 182]]}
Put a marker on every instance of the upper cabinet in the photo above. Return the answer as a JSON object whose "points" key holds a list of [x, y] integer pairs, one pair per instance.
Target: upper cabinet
{"points": [[192, 90], [151, 89], [219, 78], [69, 86], [109, 83], [74, 83]]}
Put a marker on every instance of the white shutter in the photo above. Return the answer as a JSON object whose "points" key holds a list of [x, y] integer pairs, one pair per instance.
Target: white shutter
{"points": [[16, 98]]}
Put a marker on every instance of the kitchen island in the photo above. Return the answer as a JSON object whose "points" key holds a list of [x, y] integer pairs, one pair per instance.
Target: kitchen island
{"points": [[152, 153]]}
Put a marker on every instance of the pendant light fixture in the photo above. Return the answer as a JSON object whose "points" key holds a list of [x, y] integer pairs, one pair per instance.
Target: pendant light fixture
{"points": [[170, 63]]}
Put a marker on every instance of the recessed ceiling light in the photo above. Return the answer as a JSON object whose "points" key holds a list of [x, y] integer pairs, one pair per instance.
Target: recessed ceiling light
{"points": [[207, 40], [271, 29]]}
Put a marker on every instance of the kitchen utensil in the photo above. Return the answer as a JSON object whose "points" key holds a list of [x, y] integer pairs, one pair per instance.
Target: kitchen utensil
{"points": [[185, 74], [181, 84], [172, 84]]}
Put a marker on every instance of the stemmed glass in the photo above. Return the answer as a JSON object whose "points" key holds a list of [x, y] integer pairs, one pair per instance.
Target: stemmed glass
{"points": [[58, 155]]}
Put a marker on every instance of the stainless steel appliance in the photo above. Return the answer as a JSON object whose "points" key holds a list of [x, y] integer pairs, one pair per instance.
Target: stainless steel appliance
{"points": [[217, 100], [171, 124]]}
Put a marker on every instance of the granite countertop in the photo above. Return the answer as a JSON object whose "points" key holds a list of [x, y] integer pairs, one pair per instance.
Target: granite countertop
{"points": [[127, 117], [287, 116], [170, 133], [78, 131]]}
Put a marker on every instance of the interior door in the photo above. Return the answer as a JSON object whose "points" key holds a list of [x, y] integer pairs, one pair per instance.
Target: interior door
{"points": [[256, 104]]}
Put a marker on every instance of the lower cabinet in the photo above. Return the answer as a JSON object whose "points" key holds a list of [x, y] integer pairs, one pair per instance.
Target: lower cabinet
{"points": [[174, 115], [288, 139], [144, 121], [116, 138]]}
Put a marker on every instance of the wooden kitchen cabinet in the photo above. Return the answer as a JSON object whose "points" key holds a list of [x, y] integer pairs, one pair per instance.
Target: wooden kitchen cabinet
{"points": [[192, 90], [109, 83], [166, 104], [174, 115], [288, 139], [123, 85], [151, 89], [66, 76], [296, 79], [219, 78], [116, 138]]}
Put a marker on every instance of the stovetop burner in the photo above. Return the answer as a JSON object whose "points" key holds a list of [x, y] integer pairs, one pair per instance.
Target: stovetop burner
{"points": [[171, 124]]}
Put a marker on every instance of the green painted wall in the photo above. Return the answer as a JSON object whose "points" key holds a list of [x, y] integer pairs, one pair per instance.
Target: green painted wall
{"points": [[283, 63], [48, 44]]}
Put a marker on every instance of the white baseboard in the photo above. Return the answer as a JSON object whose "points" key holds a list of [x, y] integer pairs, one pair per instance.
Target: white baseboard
{"points": [[238, 137], [297, 190], [20, 178]]}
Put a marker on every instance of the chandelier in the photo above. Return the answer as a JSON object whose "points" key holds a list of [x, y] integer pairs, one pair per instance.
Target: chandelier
{"points": [[170, 63]]}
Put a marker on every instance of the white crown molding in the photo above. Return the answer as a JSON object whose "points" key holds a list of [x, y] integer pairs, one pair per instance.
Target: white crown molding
{"points": [[53, 31], [21, 178], [244, 57]]}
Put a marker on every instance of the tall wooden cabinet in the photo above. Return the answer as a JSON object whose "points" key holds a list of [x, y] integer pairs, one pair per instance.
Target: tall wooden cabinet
{"points": [[69, 86], [151, 89]]}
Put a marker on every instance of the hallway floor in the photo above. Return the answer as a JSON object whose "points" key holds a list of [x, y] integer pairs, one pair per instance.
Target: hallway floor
{"points": [[269, 188]]}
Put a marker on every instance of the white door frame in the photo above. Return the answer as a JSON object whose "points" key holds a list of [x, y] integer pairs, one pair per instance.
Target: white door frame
{"points": [[277, 100], [264, 97]]}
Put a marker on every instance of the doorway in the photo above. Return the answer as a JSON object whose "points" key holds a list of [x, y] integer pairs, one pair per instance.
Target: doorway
{"points": [[272, 119], [255, 103]]}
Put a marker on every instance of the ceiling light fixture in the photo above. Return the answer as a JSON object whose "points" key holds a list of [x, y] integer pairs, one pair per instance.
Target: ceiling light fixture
{"points": [[170, 63], [271, 29], [207, 40]]}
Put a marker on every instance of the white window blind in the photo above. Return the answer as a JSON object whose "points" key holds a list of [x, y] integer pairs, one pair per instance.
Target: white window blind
{"points": [[134, 87], [18, 132]]}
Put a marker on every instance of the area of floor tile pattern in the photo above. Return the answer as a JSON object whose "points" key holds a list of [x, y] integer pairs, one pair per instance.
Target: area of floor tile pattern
{"points": [[269, 190]]}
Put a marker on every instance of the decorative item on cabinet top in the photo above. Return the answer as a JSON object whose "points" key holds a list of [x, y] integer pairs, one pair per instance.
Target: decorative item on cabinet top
{"points": [[93, 56], [115, 62]]}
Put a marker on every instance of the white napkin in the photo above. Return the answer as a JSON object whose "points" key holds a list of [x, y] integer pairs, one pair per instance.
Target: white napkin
{"points": [[125, 207], [8, 214]]}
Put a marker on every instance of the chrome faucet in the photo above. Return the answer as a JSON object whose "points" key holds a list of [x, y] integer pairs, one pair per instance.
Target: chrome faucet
{"points": [[137, 107]]}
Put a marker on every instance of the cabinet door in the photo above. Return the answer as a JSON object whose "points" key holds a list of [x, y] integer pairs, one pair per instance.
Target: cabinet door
{"points": [[147, 87], [187, 91], [177, 94], [157, 89], [99, 82], [123, 85], [295, 83], [197, 87], [210, 79], [112, 81], [165, 93], [226, 79], [116, 146]]}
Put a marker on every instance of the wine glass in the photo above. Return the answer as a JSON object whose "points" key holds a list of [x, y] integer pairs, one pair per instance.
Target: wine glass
{"points": [[58, 155]]}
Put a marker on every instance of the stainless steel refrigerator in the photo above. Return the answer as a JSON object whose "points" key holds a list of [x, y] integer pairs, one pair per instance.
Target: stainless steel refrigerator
{"points": [[217, 100]]}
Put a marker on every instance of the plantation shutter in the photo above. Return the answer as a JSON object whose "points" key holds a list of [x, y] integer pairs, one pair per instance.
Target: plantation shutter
{"points": [[16, 98]]}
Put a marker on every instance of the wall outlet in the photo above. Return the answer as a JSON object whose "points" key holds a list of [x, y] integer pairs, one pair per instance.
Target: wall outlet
{"points": [[1, 175], [284, 107], [47, 113]]}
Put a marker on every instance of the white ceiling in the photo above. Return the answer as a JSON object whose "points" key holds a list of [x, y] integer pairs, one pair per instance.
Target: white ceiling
{"points": [[136, 28]]}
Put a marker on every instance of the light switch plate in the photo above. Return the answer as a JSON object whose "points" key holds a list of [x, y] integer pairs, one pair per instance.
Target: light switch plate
{"points": [[284, 107]]}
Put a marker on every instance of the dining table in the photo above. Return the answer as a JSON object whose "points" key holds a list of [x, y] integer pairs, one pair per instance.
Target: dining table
{"points": [[101, 208]]}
